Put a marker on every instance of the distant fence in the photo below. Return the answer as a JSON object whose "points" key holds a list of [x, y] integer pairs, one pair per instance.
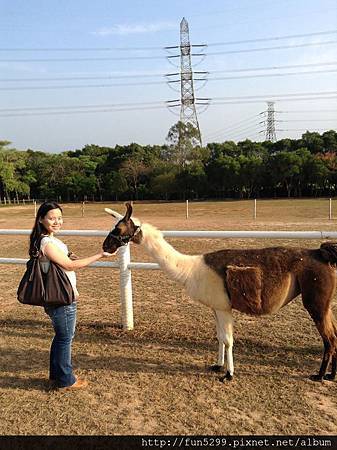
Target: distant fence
{"points": [[82, 204], [125, 265]]}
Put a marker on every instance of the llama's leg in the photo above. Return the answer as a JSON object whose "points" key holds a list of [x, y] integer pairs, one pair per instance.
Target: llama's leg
{"points": [[225, 338], [331, 376], [325, 329], [221, 349], [318, 288]]}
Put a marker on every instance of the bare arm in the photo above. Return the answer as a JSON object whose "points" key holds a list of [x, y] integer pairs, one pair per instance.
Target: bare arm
{"points": [[57, 256]]}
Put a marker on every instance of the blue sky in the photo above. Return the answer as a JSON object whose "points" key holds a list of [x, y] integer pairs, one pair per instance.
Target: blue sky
{"points": [[33, 33]]}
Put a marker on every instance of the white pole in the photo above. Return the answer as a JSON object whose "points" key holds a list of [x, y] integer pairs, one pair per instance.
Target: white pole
{"points": [[35, 212], [125, 287], [330, 209], [186, 209], [82, 209], [254, 208]]}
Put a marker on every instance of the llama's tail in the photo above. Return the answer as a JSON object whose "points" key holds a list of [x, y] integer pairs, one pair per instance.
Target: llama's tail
{"points": [[329, 252]]}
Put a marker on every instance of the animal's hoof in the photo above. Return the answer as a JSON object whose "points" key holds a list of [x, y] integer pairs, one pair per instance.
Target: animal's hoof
{"points": [[227, 377], [316, 378], [329, 377], [216, 368]]}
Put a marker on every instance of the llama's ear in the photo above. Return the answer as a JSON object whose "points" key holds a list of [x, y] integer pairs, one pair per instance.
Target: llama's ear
{"points": [[128, 211], [114, 214]]}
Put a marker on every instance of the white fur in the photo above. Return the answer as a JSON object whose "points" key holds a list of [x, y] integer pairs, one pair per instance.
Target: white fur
{"points": [[114, 214], [119, 217], [201, 283]]}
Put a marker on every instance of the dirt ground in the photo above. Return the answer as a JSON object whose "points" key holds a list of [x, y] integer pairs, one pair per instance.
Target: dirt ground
{"points": [[155, 379]]}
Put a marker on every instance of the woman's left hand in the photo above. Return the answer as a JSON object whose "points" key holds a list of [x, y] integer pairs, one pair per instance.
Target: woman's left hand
{"points": [[106, 254], [72, 256]]}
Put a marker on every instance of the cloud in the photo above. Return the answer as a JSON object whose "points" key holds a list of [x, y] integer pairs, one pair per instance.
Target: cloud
{"points": [[126, 29]]}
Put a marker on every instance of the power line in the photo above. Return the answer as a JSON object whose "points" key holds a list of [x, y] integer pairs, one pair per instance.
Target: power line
{"points": [[307, 111], [249, 41], [80, 78], [214, 102], [109, 49], [79, 86], [269, 75], [275, 38], [262, 49], [292, 66], [91, 111], [157, 75], [46, 108], [242, 130], [149, 83], [277, 95], [233, 126], [122, 58], [76, 49], [303, 129], [116, 58], [244, 102], [310, 120]]}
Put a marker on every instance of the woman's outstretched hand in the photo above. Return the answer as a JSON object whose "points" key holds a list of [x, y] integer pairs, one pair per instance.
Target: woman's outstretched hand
{"points": [[106, 254]]}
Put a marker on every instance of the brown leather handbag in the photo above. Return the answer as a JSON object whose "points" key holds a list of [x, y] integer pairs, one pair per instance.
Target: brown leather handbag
{"points": [[44, 289]]}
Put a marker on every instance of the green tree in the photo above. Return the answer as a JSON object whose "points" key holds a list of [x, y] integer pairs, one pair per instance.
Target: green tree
{"points": [[182, 138], [13, 179], [249, 174], [313, 141], [284, 168]]}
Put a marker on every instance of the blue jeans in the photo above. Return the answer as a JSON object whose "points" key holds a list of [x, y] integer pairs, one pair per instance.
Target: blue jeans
{"points": [[63, 319]]}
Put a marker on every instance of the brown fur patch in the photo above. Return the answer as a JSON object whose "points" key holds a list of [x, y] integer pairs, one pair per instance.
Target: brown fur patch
{"points": [[244, 285]]}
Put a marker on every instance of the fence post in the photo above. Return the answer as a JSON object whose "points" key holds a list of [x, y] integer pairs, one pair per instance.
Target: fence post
{"points": [[125, 287]]}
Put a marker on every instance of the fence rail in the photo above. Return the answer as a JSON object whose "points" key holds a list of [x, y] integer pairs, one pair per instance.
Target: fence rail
{"points": [[125, 265]]}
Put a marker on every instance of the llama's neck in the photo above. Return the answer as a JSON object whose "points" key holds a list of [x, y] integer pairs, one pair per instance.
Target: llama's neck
{"points": [[177, 265]]}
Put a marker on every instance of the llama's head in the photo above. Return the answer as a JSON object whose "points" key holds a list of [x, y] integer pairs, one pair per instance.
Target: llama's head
{"points": [[125, 231]]}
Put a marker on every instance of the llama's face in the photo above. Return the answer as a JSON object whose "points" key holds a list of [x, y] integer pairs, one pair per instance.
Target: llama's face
{"points": [[124, 231]]}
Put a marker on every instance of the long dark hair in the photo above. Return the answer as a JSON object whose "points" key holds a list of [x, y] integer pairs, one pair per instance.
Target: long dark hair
{"points": [[38, 228]]}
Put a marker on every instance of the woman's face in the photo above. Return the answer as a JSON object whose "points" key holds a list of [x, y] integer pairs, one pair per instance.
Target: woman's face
{"points": [[52, 221]]}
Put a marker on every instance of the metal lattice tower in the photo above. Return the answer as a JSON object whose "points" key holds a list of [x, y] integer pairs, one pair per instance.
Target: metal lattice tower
{"points": [[188, 113], [270, 133]]}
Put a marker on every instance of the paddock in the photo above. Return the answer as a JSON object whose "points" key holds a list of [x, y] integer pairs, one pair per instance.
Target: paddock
{"points": [[154, 379]]}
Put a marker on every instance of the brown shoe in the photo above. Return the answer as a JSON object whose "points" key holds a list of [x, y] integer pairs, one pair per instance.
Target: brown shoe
{"points": [[79, 384]]}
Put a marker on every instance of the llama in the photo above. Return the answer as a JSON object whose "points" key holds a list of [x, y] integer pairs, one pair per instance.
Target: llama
{"points": [[253, 281]]}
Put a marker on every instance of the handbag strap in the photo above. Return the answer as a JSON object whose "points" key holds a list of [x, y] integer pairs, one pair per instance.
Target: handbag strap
{"points": [[37, 250]]}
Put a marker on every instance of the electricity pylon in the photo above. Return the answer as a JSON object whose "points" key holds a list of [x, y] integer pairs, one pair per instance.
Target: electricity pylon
{"points": [[270, 132], [187, 101], [188, 113]]}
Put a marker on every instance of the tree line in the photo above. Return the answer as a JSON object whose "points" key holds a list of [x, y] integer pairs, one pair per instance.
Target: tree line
{"points": [[177, 170]]}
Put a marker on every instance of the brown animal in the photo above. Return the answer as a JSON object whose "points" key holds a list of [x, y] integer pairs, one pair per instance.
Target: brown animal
{"points": [[254, 281]]}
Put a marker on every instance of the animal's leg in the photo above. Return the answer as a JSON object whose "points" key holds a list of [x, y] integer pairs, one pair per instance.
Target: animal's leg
{"points": [[325, 329], [221, 350], [331, 376], [225, 338], [318, 288]]}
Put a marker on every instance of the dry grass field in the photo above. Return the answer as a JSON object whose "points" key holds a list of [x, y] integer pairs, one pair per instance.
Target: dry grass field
{"points": [[154, 379]]}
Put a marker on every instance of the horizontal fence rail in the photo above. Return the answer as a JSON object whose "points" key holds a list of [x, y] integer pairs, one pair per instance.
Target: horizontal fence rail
{"points": [[125, 265]]}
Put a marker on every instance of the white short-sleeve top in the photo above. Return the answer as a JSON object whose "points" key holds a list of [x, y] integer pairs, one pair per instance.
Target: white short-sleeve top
{"points": [[45, 264]]}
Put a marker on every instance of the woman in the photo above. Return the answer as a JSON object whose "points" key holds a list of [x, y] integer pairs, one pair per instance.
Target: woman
{"points": [[48, 222]]}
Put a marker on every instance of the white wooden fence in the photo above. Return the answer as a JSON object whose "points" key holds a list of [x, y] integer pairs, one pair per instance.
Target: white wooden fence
{"points": [[125, 265]]}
